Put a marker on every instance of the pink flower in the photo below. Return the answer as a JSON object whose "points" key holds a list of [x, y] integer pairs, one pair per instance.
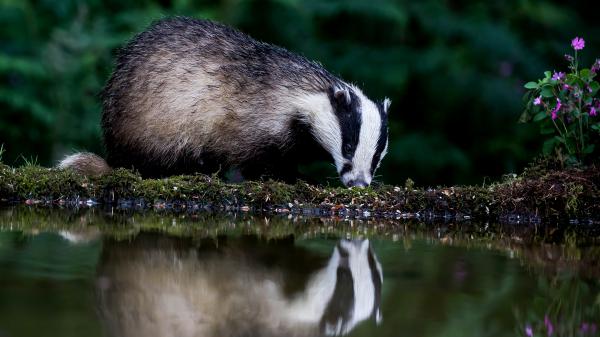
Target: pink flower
{"points": [[557, 76], [537, 100], [593, 111], [554, 112], [569, 58], [566, 87], [578, 43], [528, 330], [596, 66]]}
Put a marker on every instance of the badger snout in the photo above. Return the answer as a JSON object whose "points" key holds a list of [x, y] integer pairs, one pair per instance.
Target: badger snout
{"points": [[356, 183], [359, 180]]}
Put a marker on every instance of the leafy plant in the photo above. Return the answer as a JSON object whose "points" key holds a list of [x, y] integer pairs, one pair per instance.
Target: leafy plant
{"points": [[566, 107]]}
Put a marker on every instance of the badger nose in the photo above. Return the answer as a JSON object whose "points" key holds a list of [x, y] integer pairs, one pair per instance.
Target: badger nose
{"points": [[357, 183]]}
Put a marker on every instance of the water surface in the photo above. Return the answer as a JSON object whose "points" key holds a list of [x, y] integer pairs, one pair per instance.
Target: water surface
{"points": [[100, 273]]}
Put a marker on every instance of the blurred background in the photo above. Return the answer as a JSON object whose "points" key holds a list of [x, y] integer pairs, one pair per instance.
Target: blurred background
{"points": [[454, 70]]}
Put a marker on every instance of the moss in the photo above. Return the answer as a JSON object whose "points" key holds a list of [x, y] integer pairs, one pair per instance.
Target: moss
{"points": [[538, 192]]}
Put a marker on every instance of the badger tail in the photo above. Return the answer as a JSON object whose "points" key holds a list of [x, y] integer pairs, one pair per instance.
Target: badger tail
{"points": [[85, 163]]}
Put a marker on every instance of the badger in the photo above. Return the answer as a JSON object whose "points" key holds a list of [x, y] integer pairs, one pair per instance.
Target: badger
{"points": [[191, 95], [160, 286]]}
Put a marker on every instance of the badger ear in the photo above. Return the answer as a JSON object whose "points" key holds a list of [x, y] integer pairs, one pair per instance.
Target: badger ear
{"points": [[341, 95], [386, 104]]}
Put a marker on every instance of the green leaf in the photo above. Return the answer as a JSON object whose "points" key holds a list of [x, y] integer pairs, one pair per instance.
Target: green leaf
{"points": [[547, 130], [571, 79], [547, 91], [585, 74], [531, 85], [527, 97], [539, 116], [525, 117], [549, 146], [28, 67], [548, 74], [594, 86], [589, 149]]}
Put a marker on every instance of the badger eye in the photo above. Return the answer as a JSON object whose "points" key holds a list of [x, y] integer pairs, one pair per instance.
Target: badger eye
{"points": [[347, 148]]}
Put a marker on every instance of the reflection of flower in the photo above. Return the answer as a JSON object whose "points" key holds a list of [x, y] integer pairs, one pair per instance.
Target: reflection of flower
{"points": [[578, 43], [588, 329], [549, 326], [528, 330]]}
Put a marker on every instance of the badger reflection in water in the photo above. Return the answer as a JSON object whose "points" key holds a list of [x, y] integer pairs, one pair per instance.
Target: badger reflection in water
{"points": [[157, 286]]}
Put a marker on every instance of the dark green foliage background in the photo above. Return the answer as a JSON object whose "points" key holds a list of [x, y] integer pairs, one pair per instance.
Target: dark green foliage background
{"points": [[454, 70]]}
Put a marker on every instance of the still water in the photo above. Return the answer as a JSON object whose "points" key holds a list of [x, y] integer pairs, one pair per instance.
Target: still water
{"points": [[97, 273]]}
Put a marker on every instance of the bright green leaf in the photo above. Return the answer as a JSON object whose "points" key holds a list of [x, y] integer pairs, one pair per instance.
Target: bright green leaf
{"points": [[547, 92], [531, 85]]}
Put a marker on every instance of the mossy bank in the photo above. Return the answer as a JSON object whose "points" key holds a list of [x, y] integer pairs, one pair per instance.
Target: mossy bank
{"points": [[536, 195]]}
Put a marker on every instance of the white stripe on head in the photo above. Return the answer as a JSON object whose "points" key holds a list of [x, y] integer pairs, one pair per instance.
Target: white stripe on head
{"points": [[367, 143], [317, 111]]}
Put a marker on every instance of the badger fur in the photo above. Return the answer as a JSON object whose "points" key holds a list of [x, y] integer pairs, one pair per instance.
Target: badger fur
{"points": [[157, 286], [190, 95]]}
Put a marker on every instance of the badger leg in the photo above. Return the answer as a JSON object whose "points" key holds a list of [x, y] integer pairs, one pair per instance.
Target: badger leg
{"points": [[85, 163]]}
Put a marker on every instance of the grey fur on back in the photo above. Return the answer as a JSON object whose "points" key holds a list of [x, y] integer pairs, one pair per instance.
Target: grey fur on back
{"points": [[189, 90]]}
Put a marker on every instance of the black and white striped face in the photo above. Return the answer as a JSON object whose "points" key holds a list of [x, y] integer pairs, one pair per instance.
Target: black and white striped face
{"points": [[364, 135], [357, 294]]}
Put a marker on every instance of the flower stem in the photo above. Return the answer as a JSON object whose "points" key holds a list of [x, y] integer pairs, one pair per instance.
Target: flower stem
{"points": [[576, 64], [580, 117], [565, 136]]}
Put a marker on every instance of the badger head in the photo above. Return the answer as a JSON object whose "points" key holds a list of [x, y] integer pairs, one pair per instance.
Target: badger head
{"points": [[363, 134]]}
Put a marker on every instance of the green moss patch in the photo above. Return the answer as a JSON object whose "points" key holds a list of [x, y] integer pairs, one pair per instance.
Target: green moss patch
{"points": [[535, 195]]}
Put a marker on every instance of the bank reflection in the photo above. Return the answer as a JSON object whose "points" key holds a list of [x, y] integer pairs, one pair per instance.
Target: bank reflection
{"points": [[157, 286]]}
